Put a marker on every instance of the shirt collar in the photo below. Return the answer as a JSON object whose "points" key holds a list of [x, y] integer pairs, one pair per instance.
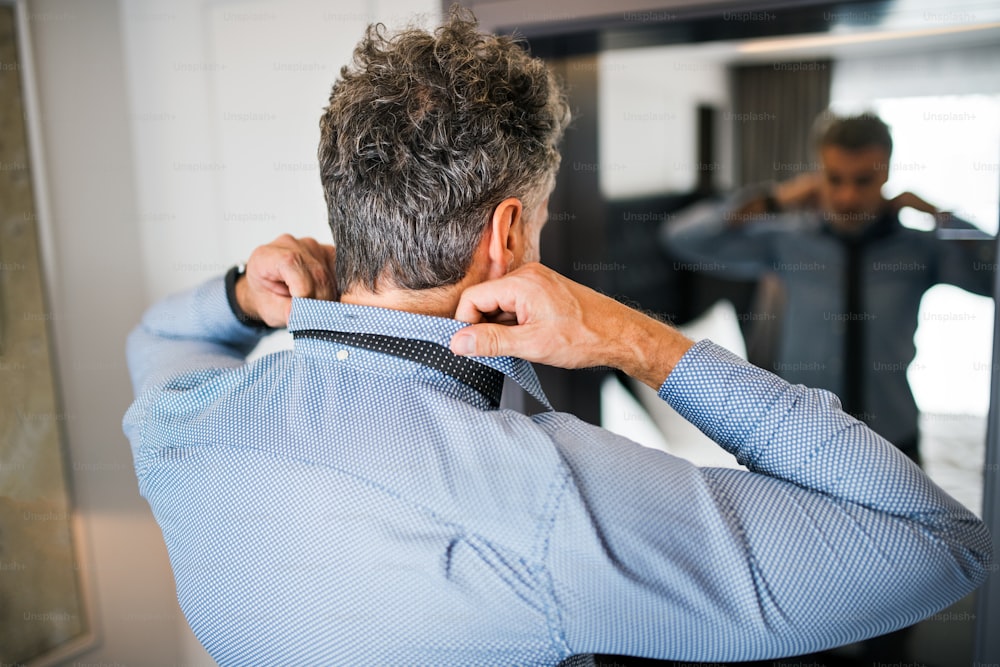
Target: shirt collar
{"points": [[311, 314], [883, 225]]}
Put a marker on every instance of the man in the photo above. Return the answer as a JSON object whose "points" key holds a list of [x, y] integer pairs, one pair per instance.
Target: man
{"points": [[852, 276], [361, 499]]}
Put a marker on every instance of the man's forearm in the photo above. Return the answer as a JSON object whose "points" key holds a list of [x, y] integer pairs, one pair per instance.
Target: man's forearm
{"points": [[720, 238], [801, 435], [646, 349]]}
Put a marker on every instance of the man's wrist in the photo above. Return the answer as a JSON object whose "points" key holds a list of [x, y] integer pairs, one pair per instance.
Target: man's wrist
{"points": [[236, 295], [648, 349]]}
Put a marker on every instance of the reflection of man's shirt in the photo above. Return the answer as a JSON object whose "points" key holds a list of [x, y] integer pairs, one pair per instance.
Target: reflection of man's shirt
{"points": [[851, 305], [335, 505]]}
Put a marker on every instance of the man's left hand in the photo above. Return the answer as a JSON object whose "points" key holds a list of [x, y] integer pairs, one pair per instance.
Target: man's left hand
{"points": [[908, 199]]}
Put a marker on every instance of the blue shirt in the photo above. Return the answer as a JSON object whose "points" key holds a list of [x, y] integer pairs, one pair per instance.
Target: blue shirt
{"points": [[332, 505]]}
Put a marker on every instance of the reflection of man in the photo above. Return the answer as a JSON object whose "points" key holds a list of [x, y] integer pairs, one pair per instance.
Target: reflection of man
{"points": [[362, 500], [853, 277]]}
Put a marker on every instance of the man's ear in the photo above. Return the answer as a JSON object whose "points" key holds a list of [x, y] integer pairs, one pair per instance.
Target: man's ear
{"points": [[506, 236]]}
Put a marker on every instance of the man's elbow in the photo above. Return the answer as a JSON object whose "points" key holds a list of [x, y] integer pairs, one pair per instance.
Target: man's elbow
{"points": [[975, 557]]}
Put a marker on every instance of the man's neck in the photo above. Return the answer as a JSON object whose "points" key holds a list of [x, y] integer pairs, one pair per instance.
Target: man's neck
{"points": [[439, 302], [436, 301]]}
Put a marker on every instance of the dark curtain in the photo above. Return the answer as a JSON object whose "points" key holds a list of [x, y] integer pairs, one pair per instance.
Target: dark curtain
{"points": [[774, 108]]}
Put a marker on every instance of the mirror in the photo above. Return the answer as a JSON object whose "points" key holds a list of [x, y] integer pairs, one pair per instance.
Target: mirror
{"points": [[680, 108], [935, 91]]}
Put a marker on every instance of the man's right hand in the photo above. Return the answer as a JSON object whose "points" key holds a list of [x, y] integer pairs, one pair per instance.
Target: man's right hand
{"points": [[284, 268], [539, 315]]}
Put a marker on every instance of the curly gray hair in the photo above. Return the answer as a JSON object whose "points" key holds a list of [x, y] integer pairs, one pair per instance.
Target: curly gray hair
{"points": [[424, 135]]}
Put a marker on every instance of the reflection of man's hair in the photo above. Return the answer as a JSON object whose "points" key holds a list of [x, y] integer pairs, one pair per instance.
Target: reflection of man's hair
{"points": [[424, 135], [853, 132]]}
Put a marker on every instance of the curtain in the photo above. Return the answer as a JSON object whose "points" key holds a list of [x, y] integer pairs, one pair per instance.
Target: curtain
{"points": [[775, 106]]}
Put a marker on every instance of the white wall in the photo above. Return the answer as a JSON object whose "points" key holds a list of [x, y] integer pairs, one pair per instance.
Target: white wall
{"points": [[177, 136], [939, 71], [225, 99], [648, 101]]}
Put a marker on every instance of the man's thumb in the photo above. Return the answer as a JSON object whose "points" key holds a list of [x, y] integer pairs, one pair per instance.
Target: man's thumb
{"points": [[481, 340]]}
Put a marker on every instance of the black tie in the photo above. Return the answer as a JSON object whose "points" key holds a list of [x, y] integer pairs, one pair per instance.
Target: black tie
{"points": [[487, 381]]}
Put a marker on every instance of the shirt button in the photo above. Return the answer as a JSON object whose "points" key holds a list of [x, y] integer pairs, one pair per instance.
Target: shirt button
{"points": [[341, 355]]}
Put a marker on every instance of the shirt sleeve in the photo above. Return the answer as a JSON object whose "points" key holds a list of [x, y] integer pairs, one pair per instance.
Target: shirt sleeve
{"points": [[832, 536], [190, 331], [704, 240], [182, 342]]}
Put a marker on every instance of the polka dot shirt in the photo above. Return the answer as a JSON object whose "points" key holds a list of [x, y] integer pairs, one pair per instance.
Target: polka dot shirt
{"points": [[335, 505]]}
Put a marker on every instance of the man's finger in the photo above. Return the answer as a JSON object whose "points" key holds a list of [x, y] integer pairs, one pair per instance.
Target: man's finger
{"points": [[297, 275], [487, 298], [330, 257], [316, 259], [489, 340], [472, 305]]}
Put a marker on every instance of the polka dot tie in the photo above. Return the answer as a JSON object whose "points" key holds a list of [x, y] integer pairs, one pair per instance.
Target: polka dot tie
{"points": [[485, 380]]}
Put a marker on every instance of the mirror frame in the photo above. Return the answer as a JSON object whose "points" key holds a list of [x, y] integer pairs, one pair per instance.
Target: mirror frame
{"points": [[90, 635]]}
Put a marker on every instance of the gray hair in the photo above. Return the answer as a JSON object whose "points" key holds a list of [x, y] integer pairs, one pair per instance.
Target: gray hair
{"points": [[424, 135]]}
